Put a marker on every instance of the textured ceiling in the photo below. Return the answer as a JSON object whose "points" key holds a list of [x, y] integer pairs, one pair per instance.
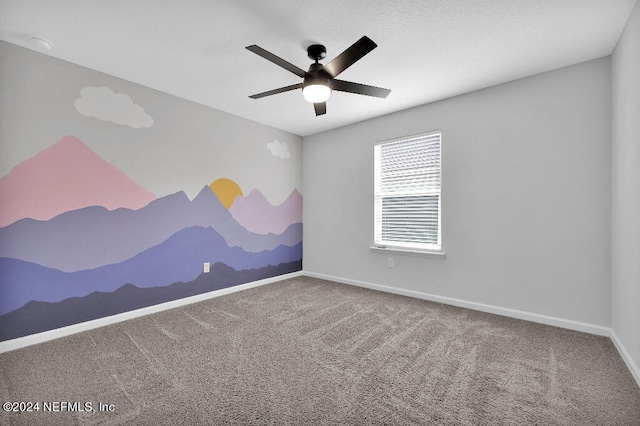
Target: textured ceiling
{"points": [[427, 49]]}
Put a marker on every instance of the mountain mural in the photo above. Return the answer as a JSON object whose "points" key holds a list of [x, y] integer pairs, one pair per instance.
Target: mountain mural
{"points": [[95, 236], [80, 240], [257, 215], [66, 176]]}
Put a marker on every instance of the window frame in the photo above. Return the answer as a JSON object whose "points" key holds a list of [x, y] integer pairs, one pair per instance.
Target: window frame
{"points": [[410, 248]]}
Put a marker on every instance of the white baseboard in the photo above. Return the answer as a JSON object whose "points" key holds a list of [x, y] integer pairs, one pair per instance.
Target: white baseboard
{"points": [[626, 356], [45, 336], [507, 312]]}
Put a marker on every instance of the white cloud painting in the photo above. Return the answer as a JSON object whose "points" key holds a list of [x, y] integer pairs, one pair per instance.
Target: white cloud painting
{"points": [[106, 105], [279, 149]]}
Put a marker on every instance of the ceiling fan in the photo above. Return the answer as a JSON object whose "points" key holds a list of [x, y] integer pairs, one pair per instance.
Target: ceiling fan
{"points": [[320, 80]]}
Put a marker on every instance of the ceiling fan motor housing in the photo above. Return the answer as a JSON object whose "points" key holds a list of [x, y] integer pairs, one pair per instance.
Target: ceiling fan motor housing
{"points": [[317, 75]]}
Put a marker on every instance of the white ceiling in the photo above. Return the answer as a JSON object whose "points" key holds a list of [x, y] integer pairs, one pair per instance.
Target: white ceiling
{"points": [[427, 49]]}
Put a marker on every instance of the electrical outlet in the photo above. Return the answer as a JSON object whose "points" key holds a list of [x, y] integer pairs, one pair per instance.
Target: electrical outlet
{"points": [[206, 267], [390, 262]]}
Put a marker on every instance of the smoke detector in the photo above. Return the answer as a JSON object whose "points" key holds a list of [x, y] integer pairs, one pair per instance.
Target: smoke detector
{"points": [[41, 43]]}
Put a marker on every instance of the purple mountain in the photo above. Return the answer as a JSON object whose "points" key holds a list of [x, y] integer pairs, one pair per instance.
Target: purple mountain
{"points": [[94, 236], [178, 259], [257, 215]]}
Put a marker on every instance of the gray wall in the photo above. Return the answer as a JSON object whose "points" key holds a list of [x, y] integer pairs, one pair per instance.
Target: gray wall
{"points": [[526, 197], [625, 243]]}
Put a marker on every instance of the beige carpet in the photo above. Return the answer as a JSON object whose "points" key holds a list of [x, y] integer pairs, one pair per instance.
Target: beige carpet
{"points": [[306, 351]]}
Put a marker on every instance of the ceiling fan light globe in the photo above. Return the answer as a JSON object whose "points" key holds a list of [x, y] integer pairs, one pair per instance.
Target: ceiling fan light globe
{"points": [[316, 93]]}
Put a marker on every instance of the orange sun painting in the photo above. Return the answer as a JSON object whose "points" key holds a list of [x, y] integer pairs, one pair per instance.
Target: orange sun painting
{"points": [[226, 190]]}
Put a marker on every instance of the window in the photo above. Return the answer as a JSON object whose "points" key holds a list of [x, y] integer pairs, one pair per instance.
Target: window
{"points": [[407, 193]]}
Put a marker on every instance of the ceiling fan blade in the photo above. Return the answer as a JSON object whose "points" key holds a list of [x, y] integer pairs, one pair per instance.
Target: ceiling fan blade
{"points": [[321, 108], [276, 91], [360, 89], [276, 60], [347, 58]]}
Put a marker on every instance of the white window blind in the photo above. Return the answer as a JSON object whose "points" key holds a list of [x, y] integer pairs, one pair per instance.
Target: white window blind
{"points": [[407, 192]]}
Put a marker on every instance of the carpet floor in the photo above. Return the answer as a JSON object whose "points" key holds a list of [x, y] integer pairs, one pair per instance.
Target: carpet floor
{"points": [[308, 351]]}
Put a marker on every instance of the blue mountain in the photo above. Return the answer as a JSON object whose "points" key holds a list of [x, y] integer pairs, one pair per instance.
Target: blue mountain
{"points": [[179, 258], [35, 317]]}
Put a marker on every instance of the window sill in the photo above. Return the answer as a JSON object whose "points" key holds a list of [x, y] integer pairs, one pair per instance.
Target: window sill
{"points": [[432, 254]]}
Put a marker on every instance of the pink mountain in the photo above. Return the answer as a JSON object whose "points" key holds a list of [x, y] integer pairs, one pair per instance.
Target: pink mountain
{"points": [[257, 215], [66, 176]]}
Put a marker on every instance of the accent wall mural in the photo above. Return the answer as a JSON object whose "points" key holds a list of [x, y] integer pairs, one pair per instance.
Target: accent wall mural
{"points": [[81, 238]]}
